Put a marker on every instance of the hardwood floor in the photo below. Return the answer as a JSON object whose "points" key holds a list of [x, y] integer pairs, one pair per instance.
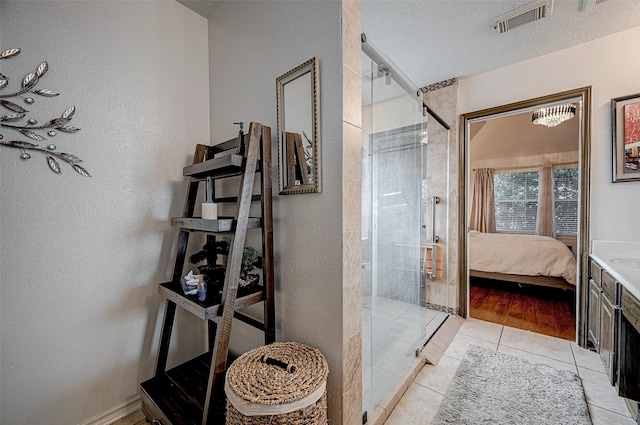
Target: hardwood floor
{"points": [[547, 311]]}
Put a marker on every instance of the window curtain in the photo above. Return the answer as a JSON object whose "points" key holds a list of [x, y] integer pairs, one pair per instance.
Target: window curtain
{"points": [[483, 207], [546, 223]]}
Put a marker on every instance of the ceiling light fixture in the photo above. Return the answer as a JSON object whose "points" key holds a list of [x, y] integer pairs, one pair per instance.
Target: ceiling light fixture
{"points": [[554, 115]]}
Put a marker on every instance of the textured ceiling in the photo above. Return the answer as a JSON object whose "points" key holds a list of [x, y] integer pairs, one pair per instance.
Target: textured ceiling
{"points": [[202, 7], [433, 40]]}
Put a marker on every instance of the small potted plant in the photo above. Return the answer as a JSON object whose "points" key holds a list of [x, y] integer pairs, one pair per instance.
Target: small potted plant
{"points": [[212, 271], [250, 261]]}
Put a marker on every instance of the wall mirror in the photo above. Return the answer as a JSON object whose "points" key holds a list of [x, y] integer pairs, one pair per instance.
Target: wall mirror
{"points": [[298, 102]]}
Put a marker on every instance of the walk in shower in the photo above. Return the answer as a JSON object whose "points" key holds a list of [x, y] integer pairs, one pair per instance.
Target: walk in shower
{"points": [[403, 225]]}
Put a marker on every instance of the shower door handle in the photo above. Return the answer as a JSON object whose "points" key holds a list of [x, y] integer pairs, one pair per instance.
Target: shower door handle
{"points": [[434, 251], [435, 238], [434, 201], [425, 260]]}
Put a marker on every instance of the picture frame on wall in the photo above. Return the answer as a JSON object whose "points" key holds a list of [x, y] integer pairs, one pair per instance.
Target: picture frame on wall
{"points": [[625, 126]]}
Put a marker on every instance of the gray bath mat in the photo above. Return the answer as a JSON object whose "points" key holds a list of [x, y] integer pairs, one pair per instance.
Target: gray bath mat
{"points": [[499, 389]]}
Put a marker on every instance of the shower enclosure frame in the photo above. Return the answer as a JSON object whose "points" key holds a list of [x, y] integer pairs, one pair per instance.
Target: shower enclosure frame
{"points": [[390, 72]]}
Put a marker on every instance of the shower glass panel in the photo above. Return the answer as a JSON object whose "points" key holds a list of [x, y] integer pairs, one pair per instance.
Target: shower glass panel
{"points": [[394, 186]]}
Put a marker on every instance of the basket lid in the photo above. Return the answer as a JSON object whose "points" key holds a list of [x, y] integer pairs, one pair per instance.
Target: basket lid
{"points": [[255, 381]]}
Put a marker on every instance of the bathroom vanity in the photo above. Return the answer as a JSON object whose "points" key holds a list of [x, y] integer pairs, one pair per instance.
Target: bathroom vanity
{"points": [[613, 318]]}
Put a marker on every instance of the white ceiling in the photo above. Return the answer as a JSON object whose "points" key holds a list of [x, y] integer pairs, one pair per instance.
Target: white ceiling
{"points": [[202, 7], [433, 40]]}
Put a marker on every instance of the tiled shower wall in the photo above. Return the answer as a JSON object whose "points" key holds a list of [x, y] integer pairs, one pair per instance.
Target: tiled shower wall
{"points": [[395, 163], [442, 294], [351, 400]]}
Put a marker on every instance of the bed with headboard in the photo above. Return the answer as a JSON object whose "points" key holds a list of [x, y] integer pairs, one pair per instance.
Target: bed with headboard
{"points": [[520, 258]]}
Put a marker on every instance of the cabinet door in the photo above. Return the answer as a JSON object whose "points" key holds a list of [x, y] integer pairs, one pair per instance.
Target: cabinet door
{"points": [[629, 341], [593, 315], [607, 345]]}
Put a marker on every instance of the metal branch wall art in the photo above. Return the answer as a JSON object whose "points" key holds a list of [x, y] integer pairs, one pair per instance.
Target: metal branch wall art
{"points": [[18, 113]]}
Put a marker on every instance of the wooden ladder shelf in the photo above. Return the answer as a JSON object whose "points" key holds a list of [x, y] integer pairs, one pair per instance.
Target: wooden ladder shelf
{"points": [[191, 393]]}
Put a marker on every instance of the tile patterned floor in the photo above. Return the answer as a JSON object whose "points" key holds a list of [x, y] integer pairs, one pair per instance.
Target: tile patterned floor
{"points": [[391, 332], [419, 404]]}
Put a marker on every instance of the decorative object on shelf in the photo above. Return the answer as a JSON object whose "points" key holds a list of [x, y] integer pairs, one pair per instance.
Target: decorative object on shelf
{"points": [[308, 151], [17, 113], [250, 262], [189, 283], [298, 110], [625, 132], [201, 289], [212, 271], [209, 210], [240, 148], [194, 284], [554, 115]]}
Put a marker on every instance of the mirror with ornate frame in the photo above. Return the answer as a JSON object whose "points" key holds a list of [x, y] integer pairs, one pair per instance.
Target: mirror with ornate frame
{"points": [[298, 102]]}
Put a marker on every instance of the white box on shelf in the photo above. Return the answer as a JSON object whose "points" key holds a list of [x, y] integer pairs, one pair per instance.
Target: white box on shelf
{"points": [[209, 211]]}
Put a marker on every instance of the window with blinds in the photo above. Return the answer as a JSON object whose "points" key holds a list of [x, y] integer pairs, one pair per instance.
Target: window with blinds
{"points": [[566, 194], [516, 200]]}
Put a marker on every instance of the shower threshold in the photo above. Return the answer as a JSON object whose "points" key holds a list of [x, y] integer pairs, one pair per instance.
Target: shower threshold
{"points": [[386, 362]]}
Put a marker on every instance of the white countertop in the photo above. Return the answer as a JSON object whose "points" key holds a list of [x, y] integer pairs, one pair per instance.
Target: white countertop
{"points": [[621, 260]]}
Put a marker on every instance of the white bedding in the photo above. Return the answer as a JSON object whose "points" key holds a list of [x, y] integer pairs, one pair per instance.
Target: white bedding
{"points": [[529, 255]]}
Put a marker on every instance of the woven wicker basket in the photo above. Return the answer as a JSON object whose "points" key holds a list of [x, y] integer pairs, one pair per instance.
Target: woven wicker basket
{"points": [[281, 383]]}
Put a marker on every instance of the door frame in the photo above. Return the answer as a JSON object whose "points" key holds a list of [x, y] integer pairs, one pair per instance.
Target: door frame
{"points": [[584, 164]]}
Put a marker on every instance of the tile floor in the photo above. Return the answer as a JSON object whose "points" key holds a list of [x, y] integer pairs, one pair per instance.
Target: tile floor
{"points": [[420, 402], [391, 332]]}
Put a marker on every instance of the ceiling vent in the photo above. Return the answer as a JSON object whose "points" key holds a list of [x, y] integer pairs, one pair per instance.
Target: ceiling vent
{"points": [[523, 15], [589, 4]]}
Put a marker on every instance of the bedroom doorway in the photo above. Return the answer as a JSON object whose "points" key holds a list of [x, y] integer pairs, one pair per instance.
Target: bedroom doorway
{"points": [[525, 187]]}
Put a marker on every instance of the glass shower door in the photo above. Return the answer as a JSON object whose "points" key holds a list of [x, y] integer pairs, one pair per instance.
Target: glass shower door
{"points": [[391, 228]]}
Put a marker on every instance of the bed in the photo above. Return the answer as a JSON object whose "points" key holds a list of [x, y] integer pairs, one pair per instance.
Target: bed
{"points": [[529, 259]]}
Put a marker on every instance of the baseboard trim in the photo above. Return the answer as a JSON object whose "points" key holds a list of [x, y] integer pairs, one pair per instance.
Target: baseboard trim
{"points": [[115, 414]]}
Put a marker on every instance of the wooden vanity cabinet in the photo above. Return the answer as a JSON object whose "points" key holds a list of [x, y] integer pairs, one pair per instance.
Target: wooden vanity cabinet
{"points": [[608, 336], [602, 320], [593, 312], [613, 329], [629, 367], [609, 312]]}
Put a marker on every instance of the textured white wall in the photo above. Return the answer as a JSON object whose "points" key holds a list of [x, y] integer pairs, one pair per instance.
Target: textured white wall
{"points": [[81, 257], [251, 44], [610, 65]]}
